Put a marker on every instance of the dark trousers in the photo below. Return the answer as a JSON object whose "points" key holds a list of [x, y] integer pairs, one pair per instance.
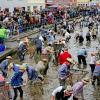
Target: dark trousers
{"points": [[88, 38], [82, 59], [16, 92], [92, 67], [39, 50], [94, 36]]}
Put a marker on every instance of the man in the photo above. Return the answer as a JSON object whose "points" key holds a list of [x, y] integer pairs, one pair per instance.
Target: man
{"points": [[4, 65], [64, 72], [62, 94], [32, 73], [39, 45], [63, 56], [21, 50], [78, 88], [96, 74], [81, 55]]}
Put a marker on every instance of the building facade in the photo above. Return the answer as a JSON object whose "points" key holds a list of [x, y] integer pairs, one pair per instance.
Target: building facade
{"points": [[27, 4], [65, 2]]}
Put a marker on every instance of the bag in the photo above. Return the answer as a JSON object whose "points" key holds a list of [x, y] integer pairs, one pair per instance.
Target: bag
{"points": [[2, 81]]}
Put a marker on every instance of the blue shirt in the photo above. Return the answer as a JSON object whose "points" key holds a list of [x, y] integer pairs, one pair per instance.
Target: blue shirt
{"points": [[82, 52], [63, 71], [32, 73], [17, 80], [38, 43], [4, 64]]}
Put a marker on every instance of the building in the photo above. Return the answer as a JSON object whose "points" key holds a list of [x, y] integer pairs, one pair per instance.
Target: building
{"points": [[27, 4], [83, 2], [35, 4], [65, 2]]}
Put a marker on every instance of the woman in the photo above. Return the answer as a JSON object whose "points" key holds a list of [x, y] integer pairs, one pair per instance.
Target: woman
{"points": [[17, 82]]}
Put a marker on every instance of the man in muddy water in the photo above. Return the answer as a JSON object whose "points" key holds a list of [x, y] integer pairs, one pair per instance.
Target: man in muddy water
{"points": [[64, 72], [81, 55]]}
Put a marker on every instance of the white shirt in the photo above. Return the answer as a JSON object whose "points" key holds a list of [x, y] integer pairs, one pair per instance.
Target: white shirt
{"points": [[93, 60], [58, 89]]}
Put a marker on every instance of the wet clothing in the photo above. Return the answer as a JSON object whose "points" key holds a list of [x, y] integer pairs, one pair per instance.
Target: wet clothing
{"points": [[58, 93], [32, 73], [4, 66], [16, 92], [63, 57], [16, 80], [82, 53], [38, 43], [78, 89], [63, 72]]}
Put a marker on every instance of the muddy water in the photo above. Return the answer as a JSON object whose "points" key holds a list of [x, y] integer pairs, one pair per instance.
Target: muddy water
{"points": [[51, 80]]}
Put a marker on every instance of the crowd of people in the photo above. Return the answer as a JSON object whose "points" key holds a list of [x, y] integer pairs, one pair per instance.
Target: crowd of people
{"points": [[53, 47]]}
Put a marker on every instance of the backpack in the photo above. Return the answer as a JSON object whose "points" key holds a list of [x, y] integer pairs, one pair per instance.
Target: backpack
{"points": [[2, 80]]}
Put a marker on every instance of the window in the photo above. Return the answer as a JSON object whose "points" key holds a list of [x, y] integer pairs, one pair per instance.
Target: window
{"points": [[40, 7], [28, 8]]}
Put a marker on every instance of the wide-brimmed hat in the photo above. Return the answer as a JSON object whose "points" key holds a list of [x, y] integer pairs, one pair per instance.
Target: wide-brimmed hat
{"points": [[8, 57], [68, 88], [98, 62], [86, 80], [70, 60], [22, 68], [44, 60]]}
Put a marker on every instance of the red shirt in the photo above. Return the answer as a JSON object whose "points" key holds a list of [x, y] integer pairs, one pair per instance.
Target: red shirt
{"points": [[63, 57]]}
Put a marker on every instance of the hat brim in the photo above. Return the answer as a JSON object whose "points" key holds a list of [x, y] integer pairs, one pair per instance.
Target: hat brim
{"points": [[71, 60]]}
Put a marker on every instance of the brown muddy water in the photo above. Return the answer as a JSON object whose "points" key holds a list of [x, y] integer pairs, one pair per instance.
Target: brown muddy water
{"points": [[51, 81]]}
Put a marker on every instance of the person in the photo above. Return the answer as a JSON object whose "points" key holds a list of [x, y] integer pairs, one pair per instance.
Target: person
{"points": [[78, 88], [96, 74], [64, 72], [81, 39], [81, 55], [39, 45], [17, 82], [93, 62], [63, 56], [21, 50], [88, 36], [60, 93], [4, 65], [42, 67], [32, 73]]}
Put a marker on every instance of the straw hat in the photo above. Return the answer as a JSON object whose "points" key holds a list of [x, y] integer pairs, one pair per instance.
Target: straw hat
{"points": [[71, 60], [86, 80], [93, 54], [8, 57], [44, 60], [69, 88], [98, 62], [22, 68]]}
